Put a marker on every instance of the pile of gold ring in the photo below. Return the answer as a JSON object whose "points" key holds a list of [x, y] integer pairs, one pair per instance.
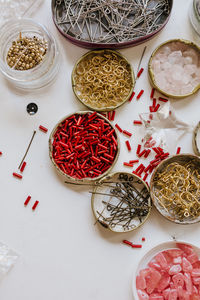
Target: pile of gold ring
{"points": [[177, 190], [102, 80]]}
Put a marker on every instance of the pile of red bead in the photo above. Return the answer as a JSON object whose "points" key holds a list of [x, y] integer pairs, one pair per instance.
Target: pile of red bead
{"points": [[84, 145]]}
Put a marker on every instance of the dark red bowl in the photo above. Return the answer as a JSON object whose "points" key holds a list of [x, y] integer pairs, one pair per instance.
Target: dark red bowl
{"points": [[93, 45]]}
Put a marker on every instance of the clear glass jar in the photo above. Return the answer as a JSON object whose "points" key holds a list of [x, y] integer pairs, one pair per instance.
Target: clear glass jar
{"points": [[17, 8], [45, 71], [195, 15]]}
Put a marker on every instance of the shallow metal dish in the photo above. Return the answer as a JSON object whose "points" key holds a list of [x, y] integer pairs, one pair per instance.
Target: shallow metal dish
{"points": [[103, 205], [180, 158], [111, 13], [151, 72], [87, 179], [102, 52]]}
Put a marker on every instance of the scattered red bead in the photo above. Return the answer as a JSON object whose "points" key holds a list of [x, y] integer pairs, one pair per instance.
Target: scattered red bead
{"points": [[135, 122], [131, 244], [152, 93], [140, 72], [142, 153], [128, 164], [134, 161], [136, 246], [131, 98], [17, 175], [143, 239], [119, 128], [178, 150], [23, 167], [42, 128], [138, 149], [145, 176], [27, 201], [113, 116], [128, 145], [109, 115], [127, 242], [157, 107], [35, 205], [147, 153], [127, 133], [140, 94], [162, 99], [154, 102]]}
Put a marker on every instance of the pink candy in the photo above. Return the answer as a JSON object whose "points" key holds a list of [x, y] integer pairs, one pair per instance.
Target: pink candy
{"points": [[171, 275]]}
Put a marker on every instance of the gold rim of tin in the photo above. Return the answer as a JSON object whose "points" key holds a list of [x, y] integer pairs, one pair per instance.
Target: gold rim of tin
{"points": [[108, 108], [107, 177], [151, 73], [194, 140], [165, 162], [87, 179], [196, 11]]}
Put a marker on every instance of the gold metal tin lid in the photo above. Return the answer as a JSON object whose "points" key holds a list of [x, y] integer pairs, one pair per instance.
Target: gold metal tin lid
{"points": [[87, 179], [110, 209], [151, 73], [181, 159], [102, 52]]}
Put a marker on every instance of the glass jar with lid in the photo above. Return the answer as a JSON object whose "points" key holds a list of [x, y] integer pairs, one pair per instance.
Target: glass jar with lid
{"points": [[30, 34]]}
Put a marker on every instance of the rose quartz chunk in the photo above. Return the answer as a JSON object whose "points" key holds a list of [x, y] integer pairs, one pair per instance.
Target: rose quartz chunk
{"points": [[173, 295], [142, 295], [188, 282], [175, 269], [140, 282], [176, 68], [187, 267], [152, 280], [160, 258], [178, 280]]}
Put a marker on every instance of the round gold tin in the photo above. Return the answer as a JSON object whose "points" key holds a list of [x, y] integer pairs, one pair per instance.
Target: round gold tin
{"points": [[102, 52], [194, 140], [99, 209], [180, 158], [87, 179], [151, 73]]}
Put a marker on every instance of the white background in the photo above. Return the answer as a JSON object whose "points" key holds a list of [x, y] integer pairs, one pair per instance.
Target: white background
{"points": [[62, 254]]}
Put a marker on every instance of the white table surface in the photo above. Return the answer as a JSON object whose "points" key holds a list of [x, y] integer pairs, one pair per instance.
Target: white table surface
{"points": [[62, 254]]}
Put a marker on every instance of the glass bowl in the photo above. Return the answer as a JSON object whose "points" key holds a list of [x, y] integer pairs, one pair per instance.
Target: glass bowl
{"points": [[45, 71], [142, 264]]}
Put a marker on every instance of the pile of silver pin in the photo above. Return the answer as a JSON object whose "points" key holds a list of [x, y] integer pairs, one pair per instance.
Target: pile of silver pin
{"points": [[125, 204], [110, 21]]}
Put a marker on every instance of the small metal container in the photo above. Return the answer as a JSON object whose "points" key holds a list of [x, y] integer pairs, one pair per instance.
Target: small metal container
{"points": [[151, 73], [181, 159], [102, 52], [87, 179], [194, 14], [76, 29], [118, 214], [196, 140]]}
